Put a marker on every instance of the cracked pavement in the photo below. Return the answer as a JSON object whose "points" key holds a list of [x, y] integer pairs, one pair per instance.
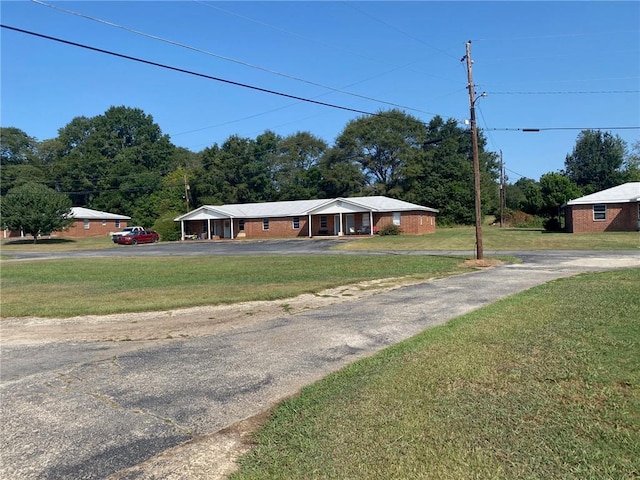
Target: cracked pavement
{"points": [[99, 409]]}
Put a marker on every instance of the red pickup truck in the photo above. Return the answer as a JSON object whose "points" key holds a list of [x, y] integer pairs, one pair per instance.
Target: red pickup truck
{"points": [[141, 236]]}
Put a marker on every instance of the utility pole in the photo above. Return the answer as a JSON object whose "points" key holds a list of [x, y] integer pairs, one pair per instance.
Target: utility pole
{"points": [[502, 191], [476, 155], [186, 192]]}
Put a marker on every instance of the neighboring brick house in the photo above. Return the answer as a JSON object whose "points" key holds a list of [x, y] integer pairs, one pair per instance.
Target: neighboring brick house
{"points": [[93, 223], [307, 218], [616, 209]]}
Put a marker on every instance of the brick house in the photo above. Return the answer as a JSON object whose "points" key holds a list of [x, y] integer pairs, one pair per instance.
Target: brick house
{"points": [[93, 223], [87, 223], [615, 209], [307, 218]]}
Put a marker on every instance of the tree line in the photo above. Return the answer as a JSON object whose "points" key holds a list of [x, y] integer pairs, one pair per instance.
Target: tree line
{"points": [[121, 162]]}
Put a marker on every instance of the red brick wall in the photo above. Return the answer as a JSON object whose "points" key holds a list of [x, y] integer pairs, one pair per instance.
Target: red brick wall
{"points": [[96, 229], [411, 223], [621, 217], [278, 228]]}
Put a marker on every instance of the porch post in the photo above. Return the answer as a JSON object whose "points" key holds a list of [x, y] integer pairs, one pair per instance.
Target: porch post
{"points": [[370, 222], [231, 220], [340, 232], [208, 228], [182, 230], [310, 226]]}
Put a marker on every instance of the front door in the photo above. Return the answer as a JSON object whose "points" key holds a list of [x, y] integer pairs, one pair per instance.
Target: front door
{"points": [[350, 223], [227, 229]]}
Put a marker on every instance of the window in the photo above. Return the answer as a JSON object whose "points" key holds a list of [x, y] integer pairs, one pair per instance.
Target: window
{"points": [[87, 223], [323, 221], [396, 218], [265, 224], [104, 223], [599, 212], [365, 219], [117, 223], [296, 222], [241, 225]]}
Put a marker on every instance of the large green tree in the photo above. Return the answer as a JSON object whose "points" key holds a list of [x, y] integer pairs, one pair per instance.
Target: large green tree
{"points": [[113, 162], [36, 210], [596, 161], [20, 160], [442, 175], [295, 166], [383, 144]]}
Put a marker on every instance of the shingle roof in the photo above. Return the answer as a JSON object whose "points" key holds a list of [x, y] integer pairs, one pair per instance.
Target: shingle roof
{"points": [[627, 192], [82, 213], [301, 207]]}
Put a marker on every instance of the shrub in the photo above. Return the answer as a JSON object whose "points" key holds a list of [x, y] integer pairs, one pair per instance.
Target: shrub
{"points": [[390, 229], [168, 230], [519, 219]]}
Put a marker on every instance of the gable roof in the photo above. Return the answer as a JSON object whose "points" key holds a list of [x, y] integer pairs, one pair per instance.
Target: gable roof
{"points": [[627, 192], [295, 208], [82, 213]]}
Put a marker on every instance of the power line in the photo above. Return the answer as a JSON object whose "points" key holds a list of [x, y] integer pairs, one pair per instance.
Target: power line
{"points": [[560, 128], [592, 92], [222, 57], [189, 72]]}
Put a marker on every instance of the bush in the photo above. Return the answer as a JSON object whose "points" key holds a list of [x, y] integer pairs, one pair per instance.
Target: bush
{"points": [[168, 230], [518, 219], [390, 229]]}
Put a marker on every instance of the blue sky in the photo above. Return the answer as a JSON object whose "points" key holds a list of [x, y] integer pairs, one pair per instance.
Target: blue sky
{"points": [[561, 66]]}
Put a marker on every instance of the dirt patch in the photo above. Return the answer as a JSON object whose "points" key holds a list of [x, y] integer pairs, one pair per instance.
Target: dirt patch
{"points": [[483, 263], [183, 323]]}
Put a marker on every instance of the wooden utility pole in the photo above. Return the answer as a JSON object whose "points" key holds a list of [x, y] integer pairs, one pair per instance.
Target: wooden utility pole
{"points": [[476, 155], [502, 191], [186, 192]]}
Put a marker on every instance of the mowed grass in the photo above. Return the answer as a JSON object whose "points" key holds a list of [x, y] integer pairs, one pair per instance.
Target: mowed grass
{"points": [[69, 287], [541, 385], [500, 239]]}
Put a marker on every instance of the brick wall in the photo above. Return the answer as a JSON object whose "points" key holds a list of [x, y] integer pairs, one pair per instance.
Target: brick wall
{"points": [[278, 228], [620, 217], [96, 229], [411, 223]]}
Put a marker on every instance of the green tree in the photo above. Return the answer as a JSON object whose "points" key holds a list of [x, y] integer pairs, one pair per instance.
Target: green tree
{"points": [[20, 160], [113, 162], [596, 161], [383, 145], [36, 210], [533, 202], [556, 189], [441, 176], [295, 167], [632, 164], [340, 176]]}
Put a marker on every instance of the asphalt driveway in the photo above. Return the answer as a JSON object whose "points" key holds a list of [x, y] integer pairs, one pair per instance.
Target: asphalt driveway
{"points": [[81, 410]]}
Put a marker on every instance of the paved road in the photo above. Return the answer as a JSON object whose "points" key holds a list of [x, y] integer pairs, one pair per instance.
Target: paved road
{"points": [[90, 410]]}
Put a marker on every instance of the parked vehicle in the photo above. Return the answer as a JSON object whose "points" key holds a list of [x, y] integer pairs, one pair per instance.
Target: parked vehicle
{"points": [[125, 231], [139, 236]]}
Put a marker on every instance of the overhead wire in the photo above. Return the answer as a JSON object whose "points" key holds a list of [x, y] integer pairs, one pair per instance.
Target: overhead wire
{"points": [[222, 57], [189, 72]]}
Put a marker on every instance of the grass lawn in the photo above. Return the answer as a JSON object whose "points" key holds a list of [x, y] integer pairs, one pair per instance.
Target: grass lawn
{"points": [[68, 287], [541, 385], [495, 238]]}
